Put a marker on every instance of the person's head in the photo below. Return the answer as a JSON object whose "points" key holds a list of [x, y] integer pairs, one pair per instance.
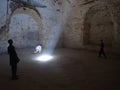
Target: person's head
{"points": [[10, 41]]}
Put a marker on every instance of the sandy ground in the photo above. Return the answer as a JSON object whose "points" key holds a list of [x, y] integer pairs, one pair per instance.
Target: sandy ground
{"points": [[69, 70]]}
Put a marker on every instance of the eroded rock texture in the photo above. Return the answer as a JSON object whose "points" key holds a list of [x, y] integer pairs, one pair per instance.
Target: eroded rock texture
{"points": [[59, 23]]}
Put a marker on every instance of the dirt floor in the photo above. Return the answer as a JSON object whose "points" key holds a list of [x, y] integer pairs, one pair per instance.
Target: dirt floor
{"points": [[68, 70]]}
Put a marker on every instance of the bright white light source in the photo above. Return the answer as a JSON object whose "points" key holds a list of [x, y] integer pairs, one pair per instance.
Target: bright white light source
{"points": [[44, 58], [38, 49]]}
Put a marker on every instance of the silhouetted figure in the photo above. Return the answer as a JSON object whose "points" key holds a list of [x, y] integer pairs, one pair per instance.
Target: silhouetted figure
{"points": [[102, 52], [13, 59]]}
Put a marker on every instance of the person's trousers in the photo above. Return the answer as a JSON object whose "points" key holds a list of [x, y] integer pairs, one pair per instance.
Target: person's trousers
{"points": [[14, 70], [101, 52]]}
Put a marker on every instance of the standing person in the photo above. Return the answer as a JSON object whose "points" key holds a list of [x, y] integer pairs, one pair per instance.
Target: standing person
{"points": [[102, 52], [13, 58]]}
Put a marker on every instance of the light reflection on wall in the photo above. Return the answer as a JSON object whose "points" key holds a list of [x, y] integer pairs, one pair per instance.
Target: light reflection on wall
{"points": [[23, 30], [3, 9]]}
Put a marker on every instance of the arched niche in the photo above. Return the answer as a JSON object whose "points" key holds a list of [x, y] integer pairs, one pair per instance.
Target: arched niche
{"points": [[25, 27], [98, 25]]}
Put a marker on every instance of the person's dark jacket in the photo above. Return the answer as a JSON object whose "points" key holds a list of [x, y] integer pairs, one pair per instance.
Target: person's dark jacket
{"points": [[13, 55]]}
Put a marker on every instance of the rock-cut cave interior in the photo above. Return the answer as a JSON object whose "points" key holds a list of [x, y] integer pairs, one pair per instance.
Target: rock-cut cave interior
{"points": [[78, 44]]}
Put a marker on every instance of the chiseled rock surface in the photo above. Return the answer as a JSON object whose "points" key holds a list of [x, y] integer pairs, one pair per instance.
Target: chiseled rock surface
{"points": [[62, 23]]}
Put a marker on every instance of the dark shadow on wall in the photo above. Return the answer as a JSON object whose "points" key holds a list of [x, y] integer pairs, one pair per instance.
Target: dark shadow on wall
{"points": [[98, 25]]}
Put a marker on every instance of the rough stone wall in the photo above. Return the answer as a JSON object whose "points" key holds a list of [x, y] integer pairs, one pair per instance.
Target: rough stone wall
{"points": [[66, 23], [24, 27], [92, 20], [115, 8], [3, 9], [24, 30], [99, 25], [73, 31], [52, 23]]}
